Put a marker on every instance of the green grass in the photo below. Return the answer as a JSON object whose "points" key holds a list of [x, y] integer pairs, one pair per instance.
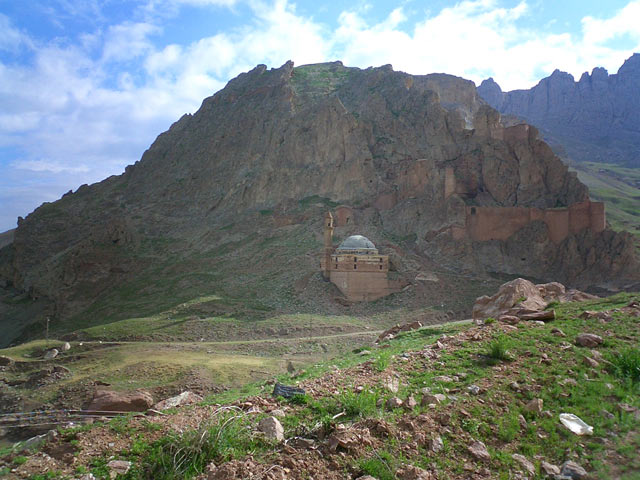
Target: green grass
{"points": [[491, 417], [498, 349], [617, 187], [186, 455], [626, 364]]}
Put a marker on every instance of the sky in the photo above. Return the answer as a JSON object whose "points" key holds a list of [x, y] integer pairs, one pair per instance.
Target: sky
{"points": [[87, 85]]}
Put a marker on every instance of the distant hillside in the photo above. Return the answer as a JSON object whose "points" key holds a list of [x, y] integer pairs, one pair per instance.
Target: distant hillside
{"points": [[595, 119], [229, 203]]}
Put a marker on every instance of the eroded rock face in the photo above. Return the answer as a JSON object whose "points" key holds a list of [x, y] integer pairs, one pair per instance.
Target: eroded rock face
{"points": [[408, 153], [595, 118]]}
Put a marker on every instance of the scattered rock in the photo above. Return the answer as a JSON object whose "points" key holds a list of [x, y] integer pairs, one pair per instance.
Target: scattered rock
{"points": [[589, 340], [523, 422], [572, 470], [110, 401], [66, 347], [557, 332], [392, 384], [534, 406], [364, 353], [394, 402], [396, 329], [278, 413], [431, 398], [51, 354], [509, 319], [436, 444], [272, 428], [543, 316], [118, 467], [590, 362], [526, 464], [473, 389], [443, 378], [38, 440], [549, 469], [443, 418], [479, 451], [185, 398], [411, 472], [411, 402], [366, 477]]}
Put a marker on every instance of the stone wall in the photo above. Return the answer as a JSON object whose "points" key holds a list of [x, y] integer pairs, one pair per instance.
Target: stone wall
{"points": [[359, 286], [499, 223]]}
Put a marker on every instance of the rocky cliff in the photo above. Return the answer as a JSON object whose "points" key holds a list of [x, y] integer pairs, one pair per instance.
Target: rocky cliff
{"points": [[230, 200], [596, 118]]}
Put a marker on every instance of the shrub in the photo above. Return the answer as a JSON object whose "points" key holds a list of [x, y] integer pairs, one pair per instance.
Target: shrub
{"points": [[489, 321], [382, 361], [363, 404], [499, 348], [186, 455]]}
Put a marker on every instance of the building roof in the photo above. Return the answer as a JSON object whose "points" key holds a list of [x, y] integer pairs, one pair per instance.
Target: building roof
{"points": [[357, 242]]}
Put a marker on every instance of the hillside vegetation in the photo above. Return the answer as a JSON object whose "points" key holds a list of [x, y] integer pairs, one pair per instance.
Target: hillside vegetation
{"points": [[453, 402]]}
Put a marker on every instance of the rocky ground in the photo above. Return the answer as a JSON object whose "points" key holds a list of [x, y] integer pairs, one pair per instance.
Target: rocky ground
{"points": [[455, 402]]}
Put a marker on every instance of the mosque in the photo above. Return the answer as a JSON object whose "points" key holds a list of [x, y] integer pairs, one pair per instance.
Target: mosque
{"points": [[355, 267]]}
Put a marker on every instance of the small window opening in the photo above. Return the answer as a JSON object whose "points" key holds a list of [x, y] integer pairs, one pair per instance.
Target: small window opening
{"points": [[355, 267], [473, 210], [380, 267]]}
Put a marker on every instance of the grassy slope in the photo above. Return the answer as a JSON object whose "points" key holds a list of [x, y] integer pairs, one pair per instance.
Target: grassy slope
{"points": [[619, 188], [491, 416]]}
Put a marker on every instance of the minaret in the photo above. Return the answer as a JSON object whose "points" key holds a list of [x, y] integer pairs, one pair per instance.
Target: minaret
{"points": [[328, 244]]}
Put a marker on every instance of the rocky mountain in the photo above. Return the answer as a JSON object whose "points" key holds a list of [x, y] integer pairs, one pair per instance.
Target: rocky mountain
{"points": [[229, 203], [595, 119]]}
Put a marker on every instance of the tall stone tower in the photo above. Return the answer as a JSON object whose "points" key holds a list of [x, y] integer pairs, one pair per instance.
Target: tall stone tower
{"points": [[328, 244]]}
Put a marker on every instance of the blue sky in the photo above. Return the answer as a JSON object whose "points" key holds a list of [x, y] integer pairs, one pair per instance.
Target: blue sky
{"points": [[87, 85]]}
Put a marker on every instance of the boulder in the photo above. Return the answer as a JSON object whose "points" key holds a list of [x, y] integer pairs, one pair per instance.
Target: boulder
{"points": [[394, 402], [118, 467], [518, 294], [572, 470], [110, 401], [51, 354], [431, 398], [479, 451], [185, 398], [66, 347], [272, 428], [526, 464], [522, 298], [436, 444], [534, 406], [589, 340], [549, 469], [411, 472]]}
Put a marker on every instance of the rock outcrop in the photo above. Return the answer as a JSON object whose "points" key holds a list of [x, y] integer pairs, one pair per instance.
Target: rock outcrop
{"points": [[213, 204], [596, 118]]}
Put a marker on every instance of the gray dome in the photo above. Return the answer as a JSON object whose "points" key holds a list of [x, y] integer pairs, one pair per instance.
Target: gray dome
{"points": [[357, 242]]}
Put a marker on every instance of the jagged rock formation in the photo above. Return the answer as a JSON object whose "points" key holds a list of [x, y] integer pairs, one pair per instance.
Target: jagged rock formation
{"points": [[234, 194], [595, 119]]}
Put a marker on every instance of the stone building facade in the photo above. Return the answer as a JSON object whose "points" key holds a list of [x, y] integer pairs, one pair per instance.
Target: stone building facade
{"points": [[355, 266]]}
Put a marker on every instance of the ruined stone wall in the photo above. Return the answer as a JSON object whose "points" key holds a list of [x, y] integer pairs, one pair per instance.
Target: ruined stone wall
{"points": [[499, 223]]}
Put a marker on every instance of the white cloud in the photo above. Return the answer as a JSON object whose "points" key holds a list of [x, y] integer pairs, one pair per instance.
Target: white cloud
{"points": [[11, 39], [47, 166]]}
